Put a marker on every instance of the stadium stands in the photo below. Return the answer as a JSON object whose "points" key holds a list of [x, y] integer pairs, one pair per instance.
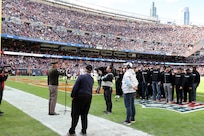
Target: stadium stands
{"points": [[104, 36], [47, 21]]}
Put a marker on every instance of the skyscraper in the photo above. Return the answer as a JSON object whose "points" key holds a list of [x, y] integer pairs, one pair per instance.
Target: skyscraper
{"points": [[153, 10], [186, 16], [183, 16]]}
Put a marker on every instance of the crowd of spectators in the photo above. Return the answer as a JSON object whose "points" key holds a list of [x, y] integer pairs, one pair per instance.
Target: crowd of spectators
{"points": [[35, 19], [74, 66], [21, 46], [43, 64]]}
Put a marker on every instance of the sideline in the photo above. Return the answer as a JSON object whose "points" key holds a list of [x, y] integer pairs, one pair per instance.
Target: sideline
{"points": [[37, 107]]}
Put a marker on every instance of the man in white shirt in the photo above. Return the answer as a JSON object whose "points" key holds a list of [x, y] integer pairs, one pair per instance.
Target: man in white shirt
{"points": [[129, 87]]}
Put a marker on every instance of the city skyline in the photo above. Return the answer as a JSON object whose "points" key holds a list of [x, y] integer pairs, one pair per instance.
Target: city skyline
{"points": [[167, 10]]}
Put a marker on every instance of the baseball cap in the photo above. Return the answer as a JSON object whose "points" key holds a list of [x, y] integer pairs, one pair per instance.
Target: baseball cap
{"points": [[89, 67], [128, 64]]}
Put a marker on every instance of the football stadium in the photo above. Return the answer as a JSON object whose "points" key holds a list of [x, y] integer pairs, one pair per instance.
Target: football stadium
{"points": [[36, 33]]}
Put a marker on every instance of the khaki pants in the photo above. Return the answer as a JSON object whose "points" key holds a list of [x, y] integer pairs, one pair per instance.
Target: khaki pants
{"points": [[53, 98]]}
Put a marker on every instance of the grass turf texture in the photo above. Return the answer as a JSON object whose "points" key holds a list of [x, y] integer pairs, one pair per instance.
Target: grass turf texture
{"points": [[16, 123], [158, 122]]}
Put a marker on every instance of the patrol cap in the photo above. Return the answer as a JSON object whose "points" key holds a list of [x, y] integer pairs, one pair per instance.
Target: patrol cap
{"points": [[54, 62]]}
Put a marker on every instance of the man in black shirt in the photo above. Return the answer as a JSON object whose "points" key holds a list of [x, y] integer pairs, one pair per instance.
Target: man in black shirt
{"points": [[145, 76], [188, 84], [156, 82], [196, 82], [178, 79], [167, 81]]}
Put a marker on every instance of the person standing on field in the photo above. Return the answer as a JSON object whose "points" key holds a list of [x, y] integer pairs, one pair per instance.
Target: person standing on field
{"points": [[167, 81], [156, 82], [196, 82], [178, 80], [3, 78], [145, 76], [129, 87], [107, 84], [118, 82], [81, 100], [53, 82], [187, 85]]}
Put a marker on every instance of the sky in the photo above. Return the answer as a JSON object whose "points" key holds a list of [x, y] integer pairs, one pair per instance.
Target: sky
{"points": [[167, 10]]}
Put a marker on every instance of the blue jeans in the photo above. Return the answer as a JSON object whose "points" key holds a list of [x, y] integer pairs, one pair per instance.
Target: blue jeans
{"points": [[193, 93], [130, 106], [156, 90]]}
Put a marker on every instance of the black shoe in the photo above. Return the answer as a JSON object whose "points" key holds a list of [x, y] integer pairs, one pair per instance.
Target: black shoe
{"points": [[53, 114], [107, 112], [82, 134], [70, 134], [1, 112]]}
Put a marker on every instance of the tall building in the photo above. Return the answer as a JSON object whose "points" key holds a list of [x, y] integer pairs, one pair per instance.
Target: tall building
{"points": [[186, 16], [153, 11], [183, 16]]}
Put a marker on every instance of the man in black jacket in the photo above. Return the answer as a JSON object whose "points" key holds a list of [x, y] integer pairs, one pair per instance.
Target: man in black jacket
{"points": [[167, 81], [81, 100], [196, 82], [188, 84], [156, 82], [145, 77], [178, 79]]}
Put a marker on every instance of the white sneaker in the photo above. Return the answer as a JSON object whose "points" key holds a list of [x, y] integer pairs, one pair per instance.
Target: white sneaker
{"points": [[117, 96], [126, 123]]}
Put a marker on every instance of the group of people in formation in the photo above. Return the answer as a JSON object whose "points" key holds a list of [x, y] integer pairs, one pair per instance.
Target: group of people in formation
{"points": [[163, 82]]}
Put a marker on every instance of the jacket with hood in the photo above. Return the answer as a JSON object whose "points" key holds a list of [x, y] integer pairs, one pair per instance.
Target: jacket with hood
{"points": [[129, 81]]}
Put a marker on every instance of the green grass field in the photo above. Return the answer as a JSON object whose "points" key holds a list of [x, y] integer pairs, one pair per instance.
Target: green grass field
{"points": [[158, 122]]}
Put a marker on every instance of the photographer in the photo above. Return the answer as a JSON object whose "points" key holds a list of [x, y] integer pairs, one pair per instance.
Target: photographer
{"points": [[3, 78], [118, 82], [107, 85], [99, 80]]}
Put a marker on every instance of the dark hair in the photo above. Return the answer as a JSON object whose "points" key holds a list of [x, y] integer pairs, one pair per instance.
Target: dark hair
{"points": [[111, 67]]}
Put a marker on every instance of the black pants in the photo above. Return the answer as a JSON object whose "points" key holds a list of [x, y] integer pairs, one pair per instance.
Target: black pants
{"points": [[108, 98], [80, 106], [1, 96], [179, 94], [187, 90], [118, 88], [145, 91]]}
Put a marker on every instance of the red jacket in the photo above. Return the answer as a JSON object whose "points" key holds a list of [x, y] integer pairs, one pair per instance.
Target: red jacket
{"points": [[2, 79]]}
